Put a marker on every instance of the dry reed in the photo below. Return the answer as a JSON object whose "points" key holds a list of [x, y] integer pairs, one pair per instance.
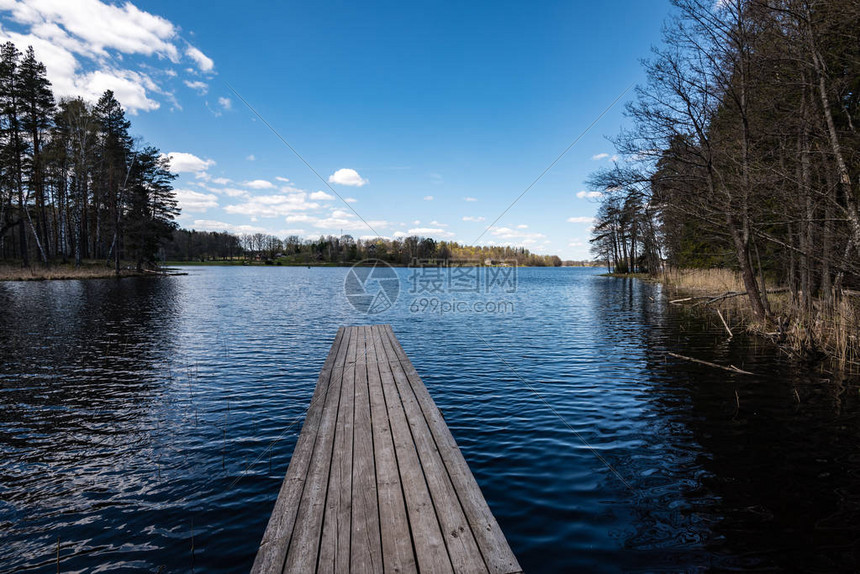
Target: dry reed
{"points": [[40, 273], [830, 327]]}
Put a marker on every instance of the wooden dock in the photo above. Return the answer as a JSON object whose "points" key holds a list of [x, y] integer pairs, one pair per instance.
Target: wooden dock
{"points": [[376, 482]]}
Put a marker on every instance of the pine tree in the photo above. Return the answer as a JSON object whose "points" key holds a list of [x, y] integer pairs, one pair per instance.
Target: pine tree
{"points": [[116, 157], [152, 205], [37, 109], [13, 146]]}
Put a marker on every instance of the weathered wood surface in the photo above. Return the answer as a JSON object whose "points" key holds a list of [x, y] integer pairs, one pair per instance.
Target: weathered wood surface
{"points": [[376, 482]]}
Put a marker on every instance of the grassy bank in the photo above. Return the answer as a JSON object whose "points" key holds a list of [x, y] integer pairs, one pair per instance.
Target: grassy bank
{"points": [[830, 328], [59, 271]]}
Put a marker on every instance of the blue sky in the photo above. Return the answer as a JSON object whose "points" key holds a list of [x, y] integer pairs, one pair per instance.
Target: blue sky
{"points": [[429, 118]]}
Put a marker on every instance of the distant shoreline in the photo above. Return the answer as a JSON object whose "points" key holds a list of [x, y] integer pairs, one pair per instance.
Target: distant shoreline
{"points": [[92, 270], [238, 263]]}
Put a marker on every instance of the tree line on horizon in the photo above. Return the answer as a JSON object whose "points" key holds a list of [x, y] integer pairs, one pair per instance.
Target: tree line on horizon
{"points": [[74, 184], [191, 245], [744, 151]]}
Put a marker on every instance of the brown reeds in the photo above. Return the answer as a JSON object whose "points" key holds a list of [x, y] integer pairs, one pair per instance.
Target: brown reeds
{"points": [[831, 327], [40, 273]]}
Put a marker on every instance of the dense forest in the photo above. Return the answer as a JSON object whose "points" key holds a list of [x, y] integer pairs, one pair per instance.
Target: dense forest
{"points": [[219, 246], [744, 152], [73, 183]]}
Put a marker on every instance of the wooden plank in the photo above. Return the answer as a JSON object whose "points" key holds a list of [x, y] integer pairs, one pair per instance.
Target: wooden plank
{"points": [[457, 533], [397, 553], [430, 550], [334, 553], [366, 547], [376, 482], [494, 547], [276, 539], [304, 545]]}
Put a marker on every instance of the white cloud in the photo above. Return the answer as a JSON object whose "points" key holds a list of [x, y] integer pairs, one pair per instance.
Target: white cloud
{"points": [[222, 180], [272, 205], [282, 179], [181, 162], [259, 184], [83, 44], [212, 225], [522, 226], [225, 103], [599, 156], [128, 87], [195, 202], [470, 199], [233, 192], [321, 196], [338, 221], [516, 236], [580, 220], [430, 232], [438, 224], [251, 158], [399, 234], [204, 63], [351, 200], [346, 176], [428, 198], [588, 194], [95, 27], [200, 87], [473, 218]]}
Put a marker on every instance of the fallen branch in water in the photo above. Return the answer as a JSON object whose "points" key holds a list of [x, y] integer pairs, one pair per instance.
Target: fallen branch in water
{"points": [[677, 301], [729, 295], [726, 325], [730, 368]]}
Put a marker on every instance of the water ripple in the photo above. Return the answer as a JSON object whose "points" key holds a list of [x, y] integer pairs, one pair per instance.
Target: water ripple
{"points": [[137, 416]]}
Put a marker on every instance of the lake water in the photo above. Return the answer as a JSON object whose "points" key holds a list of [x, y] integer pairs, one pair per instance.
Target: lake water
{"points": [[146, 424]]}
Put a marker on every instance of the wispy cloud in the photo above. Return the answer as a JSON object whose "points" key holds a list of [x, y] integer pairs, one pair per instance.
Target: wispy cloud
{"points": [[430, 232], [279, 204], [588, 194], [200, 87], [195, 202], [517, 236]]}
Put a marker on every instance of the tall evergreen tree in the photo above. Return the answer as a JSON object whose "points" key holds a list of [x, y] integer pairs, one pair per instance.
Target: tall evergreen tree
{"points": [[152, 206], [37, 109], [116, 157], [13, 145]]}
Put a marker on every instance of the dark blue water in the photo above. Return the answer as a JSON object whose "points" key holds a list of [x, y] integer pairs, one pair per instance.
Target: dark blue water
{"points": [[146, 424]]}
